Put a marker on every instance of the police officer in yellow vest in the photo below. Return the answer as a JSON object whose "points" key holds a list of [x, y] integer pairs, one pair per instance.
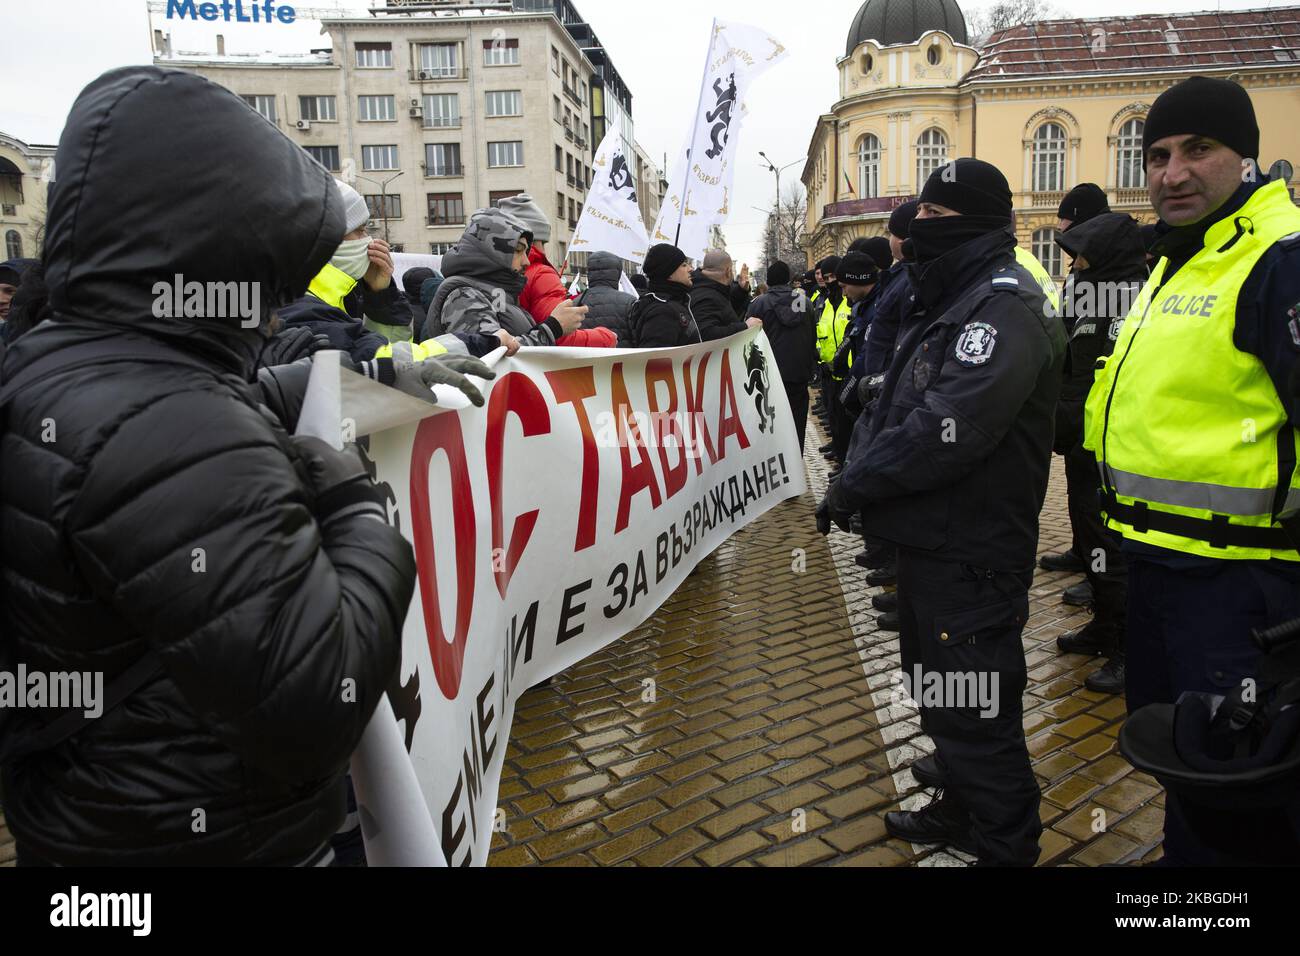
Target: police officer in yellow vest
{"points": [[1194, 425], [832, 327]]}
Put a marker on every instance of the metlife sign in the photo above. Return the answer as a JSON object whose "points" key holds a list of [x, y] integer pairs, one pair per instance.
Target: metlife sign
{"points": [[232, 11]]}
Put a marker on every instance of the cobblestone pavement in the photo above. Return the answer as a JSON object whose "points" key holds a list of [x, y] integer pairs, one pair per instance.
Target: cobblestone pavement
{"points": [[771, 739]]}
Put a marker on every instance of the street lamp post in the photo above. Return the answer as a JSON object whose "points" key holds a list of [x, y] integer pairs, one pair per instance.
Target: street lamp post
{"points": [[383, 196], [773, 167]]}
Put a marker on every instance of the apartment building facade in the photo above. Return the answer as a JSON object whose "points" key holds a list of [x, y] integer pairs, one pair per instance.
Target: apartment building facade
{"points": [[433, 112]]}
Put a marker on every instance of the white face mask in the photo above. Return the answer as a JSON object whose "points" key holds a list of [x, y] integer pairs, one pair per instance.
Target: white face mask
{"points": [[352, 257]]}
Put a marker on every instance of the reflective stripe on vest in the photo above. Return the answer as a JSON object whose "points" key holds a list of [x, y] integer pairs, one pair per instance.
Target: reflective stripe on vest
{"points": [[1030, 264], [1190, 433], [428, 349], [332, 285]]}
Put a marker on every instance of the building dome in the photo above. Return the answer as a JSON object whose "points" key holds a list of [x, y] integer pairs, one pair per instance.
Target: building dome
{"points": [[903, 21]]}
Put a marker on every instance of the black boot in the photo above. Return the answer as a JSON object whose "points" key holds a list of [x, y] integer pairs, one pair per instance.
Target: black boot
{"points": [[888, 622], [930, 772], [1108, 680], [942, 821], [885, 602], [1080, 595], [883, 577], [1065, 561], [1086, 640]]}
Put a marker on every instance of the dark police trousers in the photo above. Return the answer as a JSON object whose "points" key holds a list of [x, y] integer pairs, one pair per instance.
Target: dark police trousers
{"points": [[1098, 548], [1189, 630], [963, 624], [798, 396]]}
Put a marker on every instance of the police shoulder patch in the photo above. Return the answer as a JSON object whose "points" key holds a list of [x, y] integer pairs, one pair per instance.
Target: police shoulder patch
{"points": [[976, 343]]}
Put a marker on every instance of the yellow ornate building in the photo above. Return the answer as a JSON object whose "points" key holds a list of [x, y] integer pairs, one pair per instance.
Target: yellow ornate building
{"points": [[1052, 104]]}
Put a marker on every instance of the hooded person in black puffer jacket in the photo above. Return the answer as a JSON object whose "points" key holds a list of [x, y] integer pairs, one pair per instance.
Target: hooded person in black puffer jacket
{"points": [[791, 327], [250, 573], [607, 307]]}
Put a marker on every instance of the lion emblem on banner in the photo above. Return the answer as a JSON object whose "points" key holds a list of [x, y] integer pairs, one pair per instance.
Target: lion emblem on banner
{"points": [[620, 177], [720, 116], [758, 385]]}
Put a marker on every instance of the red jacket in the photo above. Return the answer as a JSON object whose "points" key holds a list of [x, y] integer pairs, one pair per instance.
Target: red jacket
{"points": [[544, 291]]}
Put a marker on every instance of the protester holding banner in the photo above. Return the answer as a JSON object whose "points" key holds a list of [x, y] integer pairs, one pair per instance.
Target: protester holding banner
{"points": [[484, 277], [791, 329], [607, 306], [662, 318], [955, 473], [713, 290], [239, 590]]}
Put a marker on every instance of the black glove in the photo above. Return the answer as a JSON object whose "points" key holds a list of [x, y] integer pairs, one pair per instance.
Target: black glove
{"points": [[418, 378], [340, 484], [836, 509], [290, 345], [823, 519]]}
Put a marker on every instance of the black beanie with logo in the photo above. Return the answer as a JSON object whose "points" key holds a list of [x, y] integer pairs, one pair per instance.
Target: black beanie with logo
{"points": [[1204, 106]]}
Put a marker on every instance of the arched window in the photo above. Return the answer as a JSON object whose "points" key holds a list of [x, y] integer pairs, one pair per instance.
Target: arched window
{"points": [[1047, 251], [13, 245], [867, 64], [931, 153], [1130, 173], [1049, 158], [869, 167], [934, 55]]}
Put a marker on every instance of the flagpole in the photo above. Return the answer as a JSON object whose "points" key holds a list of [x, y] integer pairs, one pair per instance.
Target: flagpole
{"points": [[695, 129]]}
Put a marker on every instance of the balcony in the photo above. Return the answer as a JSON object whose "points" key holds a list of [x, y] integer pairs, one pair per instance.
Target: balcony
{"points": [[438, 221], [573, 181], [1046, 200], [568, 134], [1130, 197], [8, 209], [878, 206], [437, 74], [443, 172], [572, 94]]}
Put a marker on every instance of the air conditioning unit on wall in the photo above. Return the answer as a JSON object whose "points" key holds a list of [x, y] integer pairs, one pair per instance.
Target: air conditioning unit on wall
{"points": [[303, 124]]}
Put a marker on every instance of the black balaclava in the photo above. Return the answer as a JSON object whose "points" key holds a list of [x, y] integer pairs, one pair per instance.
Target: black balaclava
{"points": [[971, 187]]}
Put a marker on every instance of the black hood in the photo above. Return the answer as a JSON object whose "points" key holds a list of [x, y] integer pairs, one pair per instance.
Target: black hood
{"points": [[223, 196], [604, 269], [1111, 243]]}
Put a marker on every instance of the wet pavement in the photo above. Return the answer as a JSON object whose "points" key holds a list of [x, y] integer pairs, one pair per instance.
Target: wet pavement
{"points": [[769, 735]]}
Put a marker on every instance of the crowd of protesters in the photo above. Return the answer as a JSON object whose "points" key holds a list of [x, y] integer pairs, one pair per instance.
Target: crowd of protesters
{"points": [[946, 370]]}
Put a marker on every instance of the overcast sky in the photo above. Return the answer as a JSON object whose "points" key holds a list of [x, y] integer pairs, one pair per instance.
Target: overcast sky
{"points": [[50, 49]]}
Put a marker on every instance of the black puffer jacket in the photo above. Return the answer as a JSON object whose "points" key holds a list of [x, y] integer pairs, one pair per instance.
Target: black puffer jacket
{"points": [[172, 517], [662, 318], [607, 307], [791, 327], [712, 304]]}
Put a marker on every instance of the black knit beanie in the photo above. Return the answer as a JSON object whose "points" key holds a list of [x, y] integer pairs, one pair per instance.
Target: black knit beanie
{"points": [[829, 266], [1085, 201], [878, 248], [662, 261], [969, 187], [900, 220], [778, 273], [857, 268], [1203, 106]]}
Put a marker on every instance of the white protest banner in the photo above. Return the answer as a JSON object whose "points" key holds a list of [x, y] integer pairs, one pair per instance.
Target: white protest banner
{"points": [[700, 191], [555, 520], [625, 285], [611, 219]]}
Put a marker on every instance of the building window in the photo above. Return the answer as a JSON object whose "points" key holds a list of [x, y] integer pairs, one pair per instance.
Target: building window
{"points": [[439, 60], [931, 153], [500, 52], [934, 55], [441, 110], [373, 109], [505, 103], [867, 63], [505, 154], [263, 103], [384, 206], [555, 61], [1130, 173], [446, 209], [573, 213], [1047, 251], [13, 245], [327, 156], [316, 108], [378, 157], [559, 205], [441, 248], [442, 159], [1049, 158], [374, 56], [869, 167], [496, 195], [559, 160]]}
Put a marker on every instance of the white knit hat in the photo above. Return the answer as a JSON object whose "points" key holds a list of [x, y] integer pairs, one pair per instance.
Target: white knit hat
{"points": [[355, 211]]}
